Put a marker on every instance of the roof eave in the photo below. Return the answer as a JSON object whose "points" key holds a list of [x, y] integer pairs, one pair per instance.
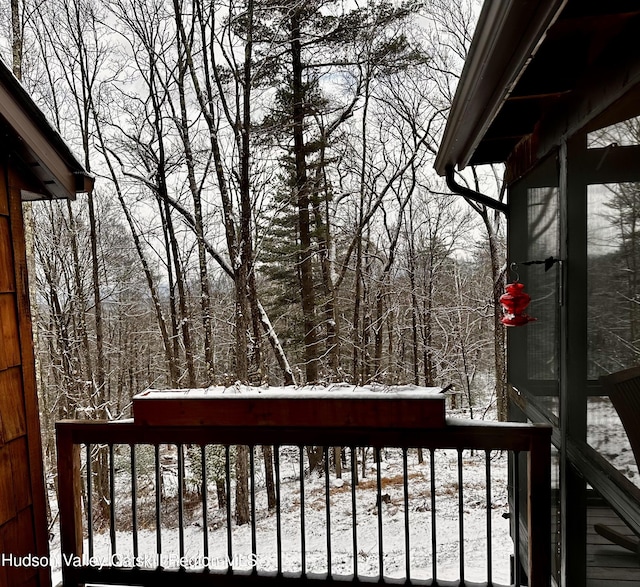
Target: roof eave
{"points": [[47, 152], [508, 34]]}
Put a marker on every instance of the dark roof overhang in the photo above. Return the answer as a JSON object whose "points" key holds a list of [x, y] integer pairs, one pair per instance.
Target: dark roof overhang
{"points": [[36, 147], [538, 69]]}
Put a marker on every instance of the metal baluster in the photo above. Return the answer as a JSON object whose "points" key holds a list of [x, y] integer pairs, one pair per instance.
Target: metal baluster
{"points": [[89, 500], [158, 505], [434, 543], [254, 540], [407, 535], [327, 487], [205, 502], [461, 515], [134, 502], [354, 482], [379, 501], [276, 466], [227, 474], [489, 528], [303, 541], [112, 502], [180, 450]]}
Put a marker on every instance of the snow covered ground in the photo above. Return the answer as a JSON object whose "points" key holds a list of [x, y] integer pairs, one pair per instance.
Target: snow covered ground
{"points": [[366, 520]]}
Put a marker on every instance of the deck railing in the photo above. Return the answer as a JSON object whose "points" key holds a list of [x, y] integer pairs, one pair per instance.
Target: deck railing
{"points": [[158, 482]]}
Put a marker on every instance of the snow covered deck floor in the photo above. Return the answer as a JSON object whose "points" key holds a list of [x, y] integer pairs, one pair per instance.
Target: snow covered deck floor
{"points": [[608, 564]]}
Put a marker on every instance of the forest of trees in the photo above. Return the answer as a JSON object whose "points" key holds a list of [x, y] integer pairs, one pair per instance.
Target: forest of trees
{"points": [[265, 208]]}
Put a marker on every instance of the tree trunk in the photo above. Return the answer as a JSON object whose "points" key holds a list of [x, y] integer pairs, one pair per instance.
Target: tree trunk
{"points": [[365, 337], [414, 319], [256, 367], [382, 292], [83, 102], [182, 295], [302, 187], [427, 319], [378, 329], [17, 42], [414, 297], [243, 514], [498, 280], [174, 346], [315, 454], [327, 260], [267, 454], [221, 493], [205, 293]]}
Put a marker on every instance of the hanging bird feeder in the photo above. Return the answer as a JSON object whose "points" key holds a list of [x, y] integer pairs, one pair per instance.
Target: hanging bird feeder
{"points": [[514, 303]]}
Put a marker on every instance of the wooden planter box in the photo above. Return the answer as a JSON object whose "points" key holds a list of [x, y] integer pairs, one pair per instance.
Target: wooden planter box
{"points": [[411, 408]]}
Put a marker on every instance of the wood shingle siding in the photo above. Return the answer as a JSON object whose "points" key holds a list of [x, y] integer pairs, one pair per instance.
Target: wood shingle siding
{"points": [[35, 163], [22, 498]]}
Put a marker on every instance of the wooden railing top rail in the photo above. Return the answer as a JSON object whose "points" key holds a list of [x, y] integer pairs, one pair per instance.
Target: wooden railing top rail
{"points": [[456, 434]]}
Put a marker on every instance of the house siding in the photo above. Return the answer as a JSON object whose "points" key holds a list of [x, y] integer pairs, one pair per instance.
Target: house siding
{"points": [[23, 527]]}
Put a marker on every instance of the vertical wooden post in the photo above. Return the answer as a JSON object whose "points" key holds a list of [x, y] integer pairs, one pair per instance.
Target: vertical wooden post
{"points": [[69, 500], [539, 510]]}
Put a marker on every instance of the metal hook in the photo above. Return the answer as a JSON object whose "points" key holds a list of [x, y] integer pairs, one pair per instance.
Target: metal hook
{"points": [[514, 269]]}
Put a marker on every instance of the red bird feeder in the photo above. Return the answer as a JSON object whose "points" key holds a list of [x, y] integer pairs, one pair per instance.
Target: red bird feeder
{"points": [[514, 302]]}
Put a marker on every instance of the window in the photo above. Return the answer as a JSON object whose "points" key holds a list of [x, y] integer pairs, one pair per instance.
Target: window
{"points": [[622, 134]]}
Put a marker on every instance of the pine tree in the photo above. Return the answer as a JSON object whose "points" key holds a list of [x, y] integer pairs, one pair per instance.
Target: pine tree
{"points": [[304, 45]]}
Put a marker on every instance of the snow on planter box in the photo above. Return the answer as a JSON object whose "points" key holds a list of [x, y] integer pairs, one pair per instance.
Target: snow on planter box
{"points": [[333, 406]]}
